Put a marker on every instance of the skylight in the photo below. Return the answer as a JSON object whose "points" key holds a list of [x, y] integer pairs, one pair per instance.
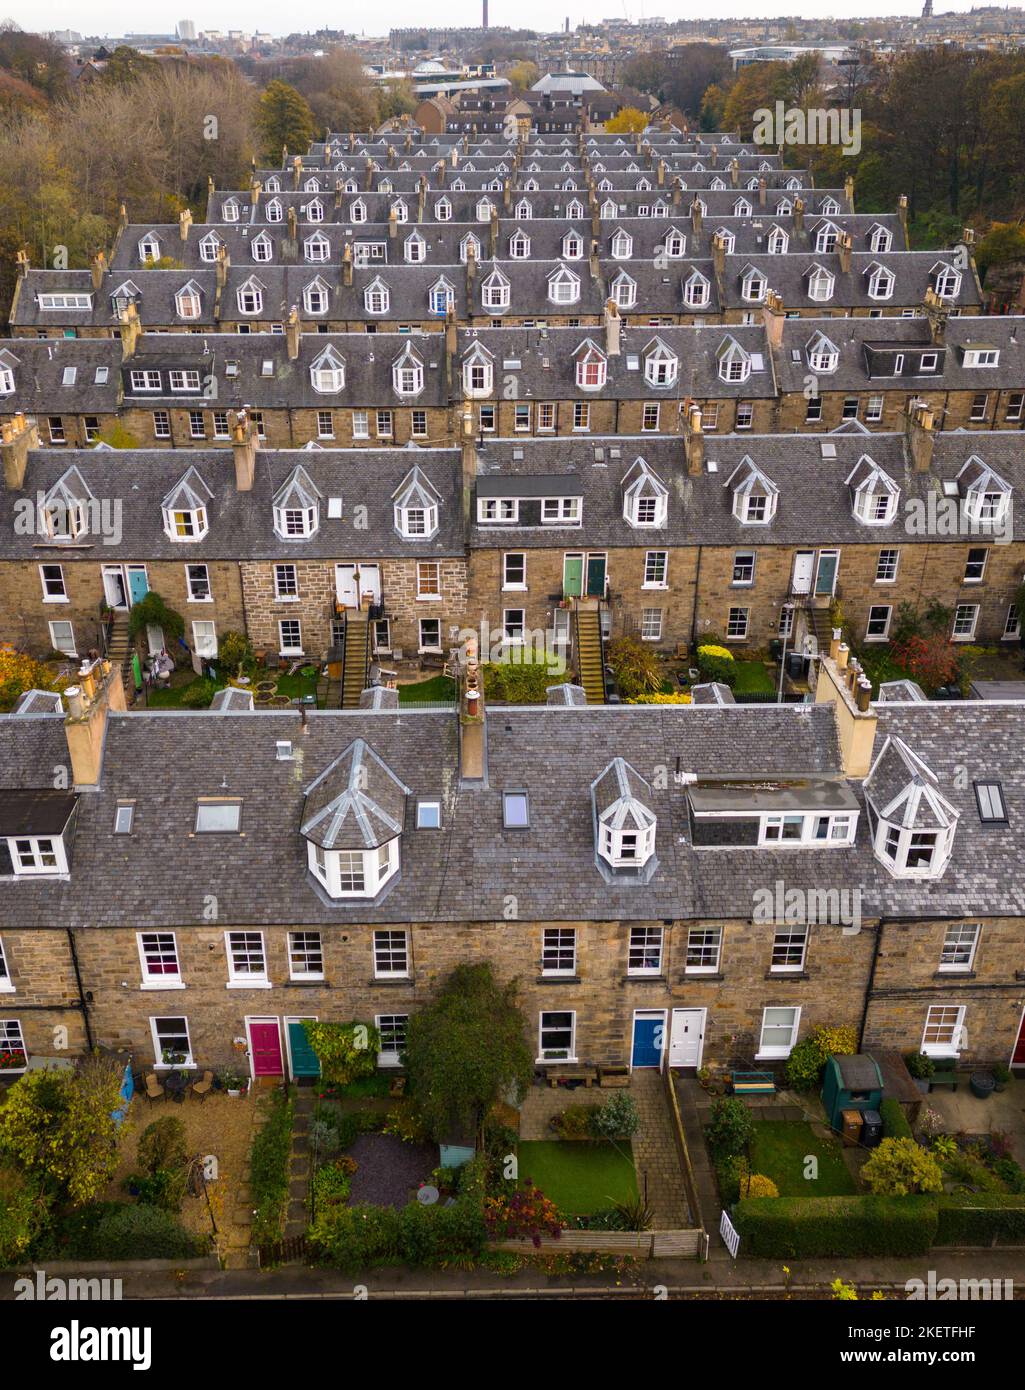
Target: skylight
{"points": [[515, 810], [218, 817]]}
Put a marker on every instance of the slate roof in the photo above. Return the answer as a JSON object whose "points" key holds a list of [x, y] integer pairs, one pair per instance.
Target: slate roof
{"points": [[161, 874]]}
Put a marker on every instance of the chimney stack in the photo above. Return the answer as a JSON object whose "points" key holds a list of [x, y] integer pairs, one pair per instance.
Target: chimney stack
{"points": [[393, 223], [734, 173], [85, 724], [471, 273], [937, 313], [131, 330], [23, 262], [799, 215], [761, 192], [17, 437], [472, 726], [292, 333], [844, 247], [297, 171], [677, 193], [718, 256], [693, 439], [902, 213], [773, 317], [244, 444], [613, 328], [595, 266], [493, 235], [98, 270], [848, 191], [254, 191], [695, 217], [920, 433], [347, 264], [469, 453], [855, 720], [184, 223], [221, 265]]}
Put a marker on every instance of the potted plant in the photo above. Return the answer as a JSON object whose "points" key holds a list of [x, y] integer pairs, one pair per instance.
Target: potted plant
{"points": [[1001, 1075], [173, 1058], [234, 1082], [983, 1084], [920, 1068]]}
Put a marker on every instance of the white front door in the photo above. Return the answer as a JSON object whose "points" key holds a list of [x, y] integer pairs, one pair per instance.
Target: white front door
{"points": [[686, 1038], [353, 580], [804, 568], [115, 591]]}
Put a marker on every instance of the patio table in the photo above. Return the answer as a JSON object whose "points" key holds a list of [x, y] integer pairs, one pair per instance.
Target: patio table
{"points": [[177, 1083]]}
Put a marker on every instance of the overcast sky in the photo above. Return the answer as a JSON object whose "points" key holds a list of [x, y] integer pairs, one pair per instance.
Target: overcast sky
{"points": [[116, 17]]}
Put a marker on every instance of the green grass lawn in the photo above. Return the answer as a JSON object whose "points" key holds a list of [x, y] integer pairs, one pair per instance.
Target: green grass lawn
{"points": [[779, 1149], [580, 1176], [291, 686], [752, 679], [441, 688]]}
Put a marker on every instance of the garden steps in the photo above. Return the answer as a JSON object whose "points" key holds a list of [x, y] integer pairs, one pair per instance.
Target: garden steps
{"points": [[588, 651]]}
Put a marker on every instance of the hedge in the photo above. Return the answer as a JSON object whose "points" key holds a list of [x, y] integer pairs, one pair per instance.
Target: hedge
{"points": [[783, 1228], [118, 1231], [981, 1218], [269, 1165], [895, 1122]]}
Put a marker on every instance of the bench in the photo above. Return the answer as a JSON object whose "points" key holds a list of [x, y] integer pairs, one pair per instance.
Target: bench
{"points": [[753, 1083], [944, 1076], [588, 1075]]}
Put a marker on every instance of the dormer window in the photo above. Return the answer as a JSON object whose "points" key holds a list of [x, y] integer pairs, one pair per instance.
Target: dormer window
{"points": [[563, 287], [734, 361], [296, 506], [250, 297], [442, 297], [37, 855], [149, 249], [778, 242], [443, 210], [820, 284], [187, 301], [608, 210], [755, 495], [273, 184], [823, 356], [465, 244], [742, 208], [352, 821], [826, 238], [675, 244], [784, 206], [622, 246], [946, 280], [753, 286], [458, 185], [519, 246], [357, 210], [65, 508], [981, 357], [495, 291], [261, 247], [275, 210], [880, 239], [645, 496], [728, 240], [311, 186], [6, 380], [408, 373], [125, 295], [592, 367], [185, 508], [416, 501], [316, 247], [209, 246], [328, 371], [229, 210], [913, 824], [415, 248], [696, 290], [880, 282], [377, 298], [524, 211], [572, 246], [875, 494], [478, 372], [624, 290], [316, 296], [986, 497], [484, 209], [574, 210], [625, 822], [661, 364], [315, 210]]}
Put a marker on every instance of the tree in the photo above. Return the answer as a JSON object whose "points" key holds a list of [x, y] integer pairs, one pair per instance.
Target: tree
{"points": [[523, 75], [345, 1051], [283, 117], [713, 106], [466, 1051], [627, 121], [152, 611], [59, 1125], [899, 1167], [19, 673]]}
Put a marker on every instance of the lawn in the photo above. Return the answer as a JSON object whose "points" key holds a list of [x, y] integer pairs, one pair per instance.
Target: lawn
{"points": [[753, 679], [580, 1176], [779, 1150], [290, 686], [438, 688]]}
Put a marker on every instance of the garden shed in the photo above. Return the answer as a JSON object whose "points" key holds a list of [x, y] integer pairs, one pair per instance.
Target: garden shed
{"points": [[851, 1083]]}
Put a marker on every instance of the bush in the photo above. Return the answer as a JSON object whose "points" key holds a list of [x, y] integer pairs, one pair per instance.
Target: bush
{"points": [[353, 1238], [807, 1060], [269, 1169], [895, 1123], [332, 1182], [165, 1188], [782, 1228], [730, 1129], [151, 610], [899, 1167], [141, 1233], [234, 650], [199, 694], [981, 1219], [616, 1119], [518, 682], [345, 1051], [1011, 1173], [21, 1211], [574, 1122], [731, 1173], [162, 1145], [758, 1185], [968, 1170], [920, 1066], [635, 666], [716, 663]]}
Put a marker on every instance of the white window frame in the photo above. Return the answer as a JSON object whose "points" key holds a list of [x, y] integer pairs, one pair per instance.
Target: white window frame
{"points": [[778, 1051], [166, 947], [386, 953], [571, 1050], [956, 938], [937, 1048], [293, 973]]}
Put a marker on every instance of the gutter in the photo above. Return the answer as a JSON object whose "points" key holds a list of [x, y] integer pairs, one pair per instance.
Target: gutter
{"points": [[82, 1002]]}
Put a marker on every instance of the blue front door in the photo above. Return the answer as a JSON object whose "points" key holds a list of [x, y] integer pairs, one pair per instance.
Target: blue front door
{"points": [[137, 582], [649, 1037]]}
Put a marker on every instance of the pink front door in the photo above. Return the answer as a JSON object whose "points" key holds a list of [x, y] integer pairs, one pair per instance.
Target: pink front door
{"points": [[266, 1047]]}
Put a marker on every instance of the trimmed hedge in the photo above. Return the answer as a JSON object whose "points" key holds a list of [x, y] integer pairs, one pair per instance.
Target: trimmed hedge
{"points": [[269, 1168], [895, 1123], [980, 1218], [819, 1227]]}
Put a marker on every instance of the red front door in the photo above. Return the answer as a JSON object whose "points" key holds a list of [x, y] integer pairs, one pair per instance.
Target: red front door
{"points": [[266, 1045], [1018, 1059]]}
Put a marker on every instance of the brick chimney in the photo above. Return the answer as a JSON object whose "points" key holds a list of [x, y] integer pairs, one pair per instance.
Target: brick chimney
{"points": [[221, 265], [844, 247], [594, 264], [902, 214], [734, 173], [23, 262], [392, 157], [718, 256], [254, 191], [297, 171], [184, 223], [920, 434], [798, 215], [661, 173], [613, 328], [848, 191], [493, 235], [773, 317], [850, 697], [937, 313], [471, 272], [100, 691], [762, 186], [347, 264], [339, 190], [368, 176], [506, 194], [693, 439], [469, 457], [677, 193], [244, 444], [473, 734], [131, 330], [695, 217], [17, 437], [293, 332], [293, 225], [421, 198], [98, 270]]}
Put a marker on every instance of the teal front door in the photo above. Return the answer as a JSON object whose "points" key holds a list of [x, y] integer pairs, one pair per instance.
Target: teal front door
{"points": [[304, 1059], [138, 584], [825, 577], [596, 576]]}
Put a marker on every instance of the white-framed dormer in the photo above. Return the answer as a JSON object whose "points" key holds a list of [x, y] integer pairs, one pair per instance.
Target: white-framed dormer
{"points": [[623, 290], [827, 237], [820, 283], [377, 297], [273, 184], [478, 371], [483, 210], [352, 820], [753, 285], [274, 210], [625, 823], [645, 496], [65, 508], [149, 249], [823, 355], [316, 247], [184, 509], [249, 297], [357, 210], [742, 208], [880, 239], [524, 210], [697, 290], [327, 371], [563, 286], [316, 296], [229, 210], [755, 495], [592, 366], [946, 280], [441, 297], [209, 247], [608, 210], [734, 361], [519, 245], [314, 210], [8, 362], [778, 242], [465, 244], [572, 245], [728, 240], [621, 245], [495, 291], [407, 372], [261, 248], [443, 210], [913, 824], [674, 244], [296, 506], [661, 364], [874, 494], [881, 281], [188, 301], [574, 210], [985, 496], [415, 505], [414, 248]]}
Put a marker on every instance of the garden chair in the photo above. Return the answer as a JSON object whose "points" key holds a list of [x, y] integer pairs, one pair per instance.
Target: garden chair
{"points": [[203, 1088], [154, 1090]]}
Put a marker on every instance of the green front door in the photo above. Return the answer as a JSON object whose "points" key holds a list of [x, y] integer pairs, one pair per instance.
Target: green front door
{"points": [[304, 1059], [596, 576], [573, 576]]}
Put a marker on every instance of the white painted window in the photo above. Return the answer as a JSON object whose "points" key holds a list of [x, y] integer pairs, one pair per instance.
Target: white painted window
{"points": [[158, 957], [559, 951], [305, 955], [644, 953], [959, 944], [391, 954], [779, 1031], [941, 1036], [557, 1035], [172, 1046]]}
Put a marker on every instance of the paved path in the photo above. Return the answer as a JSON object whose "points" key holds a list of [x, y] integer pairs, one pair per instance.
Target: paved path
{"points": [[658, 1168], [299, 1185]]}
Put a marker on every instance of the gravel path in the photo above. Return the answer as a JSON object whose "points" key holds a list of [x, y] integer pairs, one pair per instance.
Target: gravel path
{"points": [[389, 1171]]}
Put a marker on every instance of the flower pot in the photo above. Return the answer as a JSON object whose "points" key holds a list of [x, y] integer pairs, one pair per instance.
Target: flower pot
{"points": [[982, 1084]]}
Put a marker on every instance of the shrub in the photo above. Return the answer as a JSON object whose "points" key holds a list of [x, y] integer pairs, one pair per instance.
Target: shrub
{"points": [[199, 694], [407, 1124], [807, 1060], [981, 1219], [21, 1211], [969, 1171], [165, 1188], [323, 1136], [731, 1173], [898, 1167], [717, 664], [332, 1182], [616, 1119], [151, 610], [1011, 1174], [758, 1185], [895, 1123], [524, 1212], [730, 1129], [574, 1122], [784, 1228], [269, 1169], [518, 682], [635, 667], [677, 698], [345, 1050], [919, 1066], [353, 1123], [353, 1238], [234, 650], [635, 1214], [162, 1145], [141, 1233]]}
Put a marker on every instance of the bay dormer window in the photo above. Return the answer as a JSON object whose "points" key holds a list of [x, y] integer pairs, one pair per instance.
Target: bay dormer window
{"points": [[316, 247], [622, 245], [229, 210], [880, 240], [661, 364], [483, 209], [734, 361], [377, 298], [357, 210], [985, 496], [209, 247], [442, 296], [188, 301], [149, 249], [826, 238], [946, 280], [563, 286], [408, 373], [880, 282], [625, 823], [519, 246], [675, 244], [414, 248], [874, 493], [478, 372], [742, 208], [467, 243], [353, 815], [443, 210], [296, 506], [250, 297], [608, 210], [495, 291], [185, 508], [65, 509], [327, 373], [591, 367], [913, 824], [778, 243], [6, 374], [753, 285], [574, 209], [572, 246], [728, 240], [755, 495], [316, 296], [820, 284], [696, 290], [524, 211], [415, 503], [314, 210], [275, 211], [624, 290], [262, 247], [823, 355], [645, 496]]}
